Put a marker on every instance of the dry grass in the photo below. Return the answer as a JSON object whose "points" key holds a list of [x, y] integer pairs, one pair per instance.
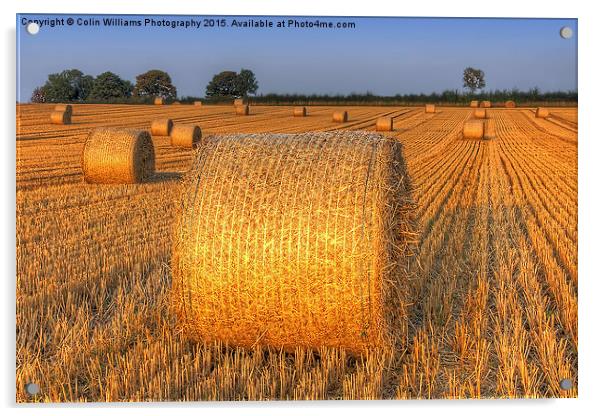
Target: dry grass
{"points": [[492, 296], [479, 113]]}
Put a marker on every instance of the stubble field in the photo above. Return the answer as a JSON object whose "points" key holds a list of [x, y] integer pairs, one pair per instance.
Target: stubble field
{"points": [[493, 304]]}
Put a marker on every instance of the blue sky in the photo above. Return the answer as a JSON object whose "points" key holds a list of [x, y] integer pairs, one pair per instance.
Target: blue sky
{"points": [[382, 55]]}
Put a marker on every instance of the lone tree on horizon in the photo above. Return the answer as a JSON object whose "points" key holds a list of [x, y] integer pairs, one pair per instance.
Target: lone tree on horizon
{"points": [[232, 85], [474, 79], [155, 83]]}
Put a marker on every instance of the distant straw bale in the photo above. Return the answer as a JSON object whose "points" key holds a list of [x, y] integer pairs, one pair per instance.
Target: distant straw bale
{"points": [[187, 136], [239, 101], [542, 112], [340, 116], [299, 112], [64, 107], [473, 129], [485, 104], [158, 100], [510, 104], [114, 155], [242, 110], [429, 108], [384, 124], [161, 127], [480, 113], [474, 104], [60, 117], [294, 241]]}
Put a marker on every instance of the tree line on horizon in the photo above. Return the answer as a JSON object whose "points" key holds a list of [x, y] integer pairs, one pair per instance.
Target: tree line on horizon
{"points": [[73, 85]]}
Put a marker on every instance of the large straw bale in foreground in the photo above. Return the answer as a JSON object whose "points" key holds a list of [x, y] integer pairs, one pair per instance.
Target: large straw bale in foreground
{"points": [[293, 240], [299, 112], [242, 110], [384, 124], [188, 136], [340, 116], [161, 127], [479, 113], [473, 129], [474, 103], [542, 112], [114, 155], [60, 117], [429, 108]]}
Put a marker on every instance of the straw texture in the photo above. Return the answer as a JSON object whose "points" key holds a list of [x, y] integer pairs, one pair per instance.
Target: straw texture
{"points": [[340, 116], [188, 136], [542, 112], [161, 127], [158, 101], [384, 124], [293, 241], [114, 155], [299, 112], [242, 110], [474, 103], [64, 107], [60, 117], [429, 108], [239, 101], [473, 129], [489, 129], [479, 113]]}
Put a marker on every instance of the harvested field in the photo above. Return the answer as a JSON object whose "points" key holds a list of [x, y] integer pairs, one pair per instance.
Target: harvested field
{"points": [[491, 306]]}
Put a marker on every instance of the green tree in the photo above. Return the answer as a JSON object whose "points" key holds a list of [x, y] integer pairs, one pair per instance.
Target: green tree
{"points": [[108, 86], [155, 83], [224, 84], [246, 83], [474, 79], [69, 85]]}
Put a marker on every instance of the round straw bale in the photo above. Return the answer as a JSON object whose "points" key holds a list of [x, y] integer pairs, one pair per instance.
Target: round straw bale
{"points": [[479, 113], [161, 127], [114, 155], [489, 129], [299, 112], [293, 240], [340, 116], [64, 107], [510, 104], [474, 103], [384, 124], [542, 112], [473, 129], [242, 110], [239, 101], [198, 103], [429, 108], [188, 136], [60, 117], [177, 103], [158, 100], [485, 104]]}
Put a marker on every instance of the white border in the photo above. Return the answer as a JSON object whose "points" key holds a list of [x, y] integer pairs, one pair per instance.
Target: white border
{"points": [[590, 178]]}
